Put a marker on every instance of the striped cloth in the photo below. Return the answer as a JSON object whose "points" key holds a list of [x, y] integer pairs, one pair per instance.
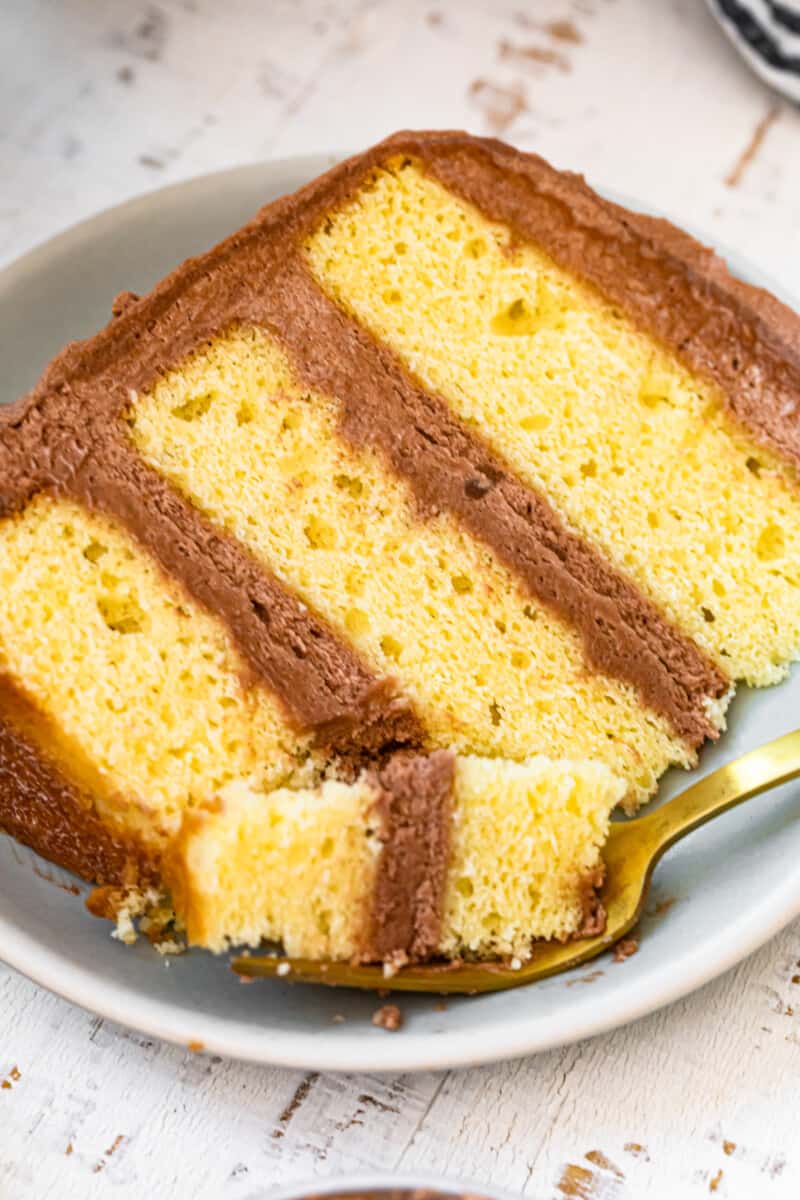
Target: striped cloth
{"points": [[767, 34]]}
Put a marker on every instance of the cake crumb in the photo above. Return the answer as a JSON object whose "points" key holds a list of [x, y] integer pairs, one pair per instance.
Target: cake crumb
{"points": [[728, 1147], [625, 948], [126, 905], [599, 1159], [13, 1076], [339, 1019], [716, 1181], [393, 962], [440, 1006], [564, 31], [500, 105], [536, 56], [637, 1150], [102, 1163], [590, 978], [577, 1181], [125, 930], [388, 1017], [662, 907], [169, 946]]}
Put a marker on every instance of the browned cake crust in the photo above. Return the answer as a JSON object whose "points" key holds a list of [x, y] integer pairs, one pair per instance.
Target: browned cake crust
{"points": [[47, 800], [68, 437]]}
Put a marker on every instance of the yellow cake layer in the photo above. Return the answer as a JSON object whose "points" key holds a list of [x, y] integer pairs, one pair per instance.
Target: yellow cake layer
{"points": [[128, 669], [638, 454], [298, 867], [489, 670], [526, 836]]}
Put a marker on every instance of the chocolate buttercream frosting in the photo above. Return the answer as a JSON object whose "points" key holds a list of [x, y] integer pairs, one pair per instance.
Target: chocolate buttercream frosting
{"points": [[69, 437], [414, 806], [451, 469]]}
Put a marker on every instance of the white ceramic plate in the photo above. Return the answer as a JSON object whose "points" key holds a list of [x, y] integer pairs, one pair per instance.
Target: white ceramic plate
{"points": [[734, 883]]}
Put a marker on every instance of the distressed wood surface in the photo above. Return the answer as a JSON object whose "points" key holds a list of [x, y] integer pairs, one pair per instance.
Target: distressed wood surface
{"points": [[100, 101]]}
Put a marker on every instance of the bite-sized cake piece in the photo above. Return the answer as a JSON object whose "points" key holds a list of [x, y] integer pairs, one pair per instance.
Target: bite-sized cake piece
{"points": [[353, 871], [443, 453]]}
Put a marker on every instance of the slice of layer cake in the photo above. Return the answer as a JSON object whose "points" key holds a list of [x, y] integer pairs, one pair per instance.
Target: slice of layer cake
{"points": [[445, 453], [354, 871]]}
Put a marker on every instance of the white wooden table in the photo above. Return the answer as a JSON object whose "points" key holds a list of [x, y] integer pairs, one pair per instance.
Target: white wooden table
{"points": [[99, 101]]}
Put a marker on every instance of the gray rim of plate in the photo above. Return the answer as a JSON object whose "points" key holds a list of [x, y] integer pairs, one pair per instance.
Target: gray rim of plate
{"points": [[503, 1029]]}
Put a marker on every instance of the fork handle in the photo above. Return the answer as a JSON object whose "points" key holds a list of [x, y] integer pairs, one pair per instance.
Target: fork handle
{"points": [[769, 766]]}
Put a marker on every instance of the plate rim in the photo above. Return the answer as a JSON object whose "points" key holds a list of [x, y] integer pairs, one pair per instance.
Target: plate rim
{"points": [[338, 1049]]}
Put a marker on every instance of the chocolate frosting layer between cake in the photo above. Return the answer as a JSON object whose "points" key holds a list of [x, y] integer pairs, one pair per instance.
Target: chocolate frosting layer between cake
{"points": [[74, 443], [452, 470], [320, 680], [414, 804]]}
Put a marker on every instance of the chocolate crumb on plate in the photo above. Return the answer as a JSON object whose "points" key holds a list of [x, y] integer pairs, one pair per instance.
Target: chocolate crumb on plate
{"points": [[625, 948], [389, 1017]]}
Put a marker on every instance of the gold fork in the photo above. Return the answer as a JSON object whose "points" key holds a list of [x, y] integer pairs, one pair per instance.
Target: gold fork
{"points": [[631, 853]]}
